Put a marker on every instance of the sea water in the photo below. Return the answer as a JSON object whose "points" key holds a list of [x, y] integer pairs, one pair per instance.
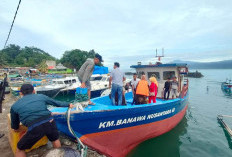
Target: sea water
{"points": [[199, 134]]}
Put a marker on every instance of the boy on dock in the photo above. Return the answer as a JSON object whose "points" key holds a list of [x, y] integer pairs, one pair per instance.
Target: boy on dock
{"points": [[31, 110]]}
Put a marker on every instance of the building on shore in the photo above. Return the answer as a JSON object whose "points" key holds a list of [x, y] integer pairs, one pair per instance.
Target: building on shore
{"points": [[57, 69]]}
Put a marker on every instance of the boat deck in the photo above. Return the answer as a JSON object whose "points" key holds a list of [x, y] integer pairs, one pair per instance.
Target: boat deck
{"points": [[104, 103]]}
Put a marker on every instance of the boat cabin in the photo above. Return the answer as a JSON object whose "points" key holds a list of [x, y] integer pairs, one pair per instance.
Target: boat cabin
{"points": [[162, 72], [98, 77], [65, 81]]}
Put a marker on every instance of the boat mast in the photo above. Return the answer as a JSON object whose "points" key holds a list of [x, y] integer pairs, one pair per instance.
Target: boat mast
{"points": [[159, 56]]}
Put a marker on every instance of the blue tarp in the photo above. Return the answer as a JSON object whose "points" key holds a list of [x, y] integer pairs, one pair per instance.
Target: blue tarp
{"points": [[100, 70]]}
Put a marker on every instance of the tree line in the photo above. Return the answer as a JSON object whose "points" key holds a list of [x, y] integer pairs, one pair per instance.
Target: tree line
{"points": [[15, 56]]}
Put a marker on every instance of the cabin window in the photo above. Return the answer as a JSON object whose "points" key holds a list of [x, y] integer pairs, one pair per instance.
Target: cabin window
{"points": [[104, 79], [168, 74], [60, 82], [96, 78], [66, 82], [156, 74], [74, 81]]}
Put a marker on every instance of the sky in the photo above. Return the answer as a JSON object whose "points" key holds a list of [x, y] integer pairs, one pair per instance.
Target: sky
{"points": [[127, 31]]}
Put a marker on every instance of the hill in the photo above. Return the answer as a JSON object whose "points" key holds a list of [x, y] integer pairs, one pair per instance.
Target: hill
{"points": [[14, 55], [226, 64]]}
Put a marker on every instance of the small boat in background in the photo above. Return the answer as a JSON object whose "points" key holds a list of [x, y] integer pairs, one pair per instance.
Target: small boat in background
{"points": [[227, 87], [15, 76], [99, 83], [57, 85]]}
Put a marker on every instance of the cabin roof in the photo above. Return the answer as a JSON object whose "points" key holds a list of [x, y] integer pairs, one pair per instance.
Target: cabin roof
{"points": [[160, 65]]}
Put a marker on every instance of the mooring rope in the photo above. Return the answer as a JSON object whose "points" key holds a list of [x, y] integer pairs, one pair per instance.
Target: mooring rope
{"points": [[80, 144], [12, 24]]}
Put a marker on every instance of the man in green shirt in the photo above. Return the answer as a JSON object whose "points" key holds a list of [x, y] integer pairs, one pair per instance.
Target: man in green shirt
{"points": [[31, 110]]}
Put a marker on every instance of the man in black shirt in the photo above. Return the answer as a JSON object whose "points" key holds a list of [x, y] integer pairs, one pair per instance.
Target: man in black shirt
{"points": [[167, 88]]}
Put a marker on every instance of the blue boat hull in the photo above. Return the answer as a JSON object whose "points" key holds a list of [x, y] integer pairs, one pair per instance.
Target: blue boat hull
{"points": [[101, 128]]}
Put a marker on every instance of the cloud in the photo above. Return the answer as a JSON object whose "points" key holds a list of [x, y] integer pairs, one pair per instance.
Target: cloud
{"points": [[127, 31]]}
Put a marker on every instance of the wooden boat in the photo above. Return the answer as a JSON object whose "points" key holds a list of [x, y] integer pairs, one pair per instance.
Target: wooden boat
{"points": [[116, 130]]}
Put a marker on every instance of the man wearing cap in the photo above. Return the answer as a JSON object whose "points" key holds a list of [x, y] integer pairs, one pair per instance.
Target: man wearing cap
{"points": [[31, 110], [86, 71]]}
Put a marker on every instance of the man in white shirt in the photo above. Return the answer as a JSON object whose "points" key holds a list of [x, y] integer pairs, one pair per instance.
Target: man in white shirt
{"points": [[116, 77], [134, 83]]}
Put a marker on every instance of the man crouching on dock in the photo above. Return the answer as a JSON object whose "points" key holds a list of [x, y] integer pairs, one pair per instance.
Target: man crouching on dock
{"points": [[31, 110]]}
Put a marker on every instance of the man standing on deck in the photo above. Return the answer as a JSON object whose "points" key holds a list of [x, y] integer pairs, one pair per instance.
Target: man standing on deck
{"points": [[31, 110], [116, 77], [86, 71], [134, 83], [175, 88], [167, 88]]}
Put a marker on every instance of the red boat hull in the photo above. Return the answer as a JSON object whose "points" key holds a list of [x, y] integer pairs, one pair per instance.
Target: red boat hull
{"points": [[118, 143]]}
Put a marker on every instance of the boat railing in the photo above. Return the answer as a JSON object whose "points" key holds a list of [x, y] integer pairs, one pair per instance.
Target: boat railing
{"points": [[184, 88]]}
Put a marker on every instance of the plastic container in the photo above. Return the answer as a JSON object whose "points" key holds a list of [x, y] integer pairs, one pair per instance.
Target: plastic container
{"points": [[80, 90], [14, 137]]}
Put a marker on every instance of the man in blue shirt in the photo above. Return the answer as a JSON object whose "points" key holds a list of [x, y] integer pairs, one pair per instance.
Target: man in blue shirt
{"points": [[31, 110], [116, 77]]}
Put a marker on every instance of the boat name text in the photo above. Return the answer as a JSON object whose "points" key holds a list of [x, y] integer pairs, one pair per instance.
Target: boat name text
{"points": [[118, 122]]}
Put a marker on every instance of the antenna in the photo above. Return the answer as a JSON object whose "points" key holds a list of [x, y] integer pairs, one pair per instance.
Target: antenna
{"points": [[163, 52], [159, 56]]}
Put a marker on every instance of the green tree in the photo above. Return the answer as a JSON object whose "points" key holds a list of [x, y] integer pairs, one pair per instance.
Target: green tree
{"points": [[75, 58], [2, 61], [13, 55], [10, 53]]}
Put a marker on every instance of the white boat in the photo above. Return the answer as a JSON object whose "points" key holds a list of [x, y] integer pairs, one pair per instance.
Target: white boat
{"points": [[99, 83], [52, 89]]}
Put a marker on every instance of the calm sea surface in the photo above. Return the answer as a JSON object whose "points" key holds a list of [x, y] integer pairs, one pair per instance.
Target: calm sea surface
{"points": [[198, 134]]}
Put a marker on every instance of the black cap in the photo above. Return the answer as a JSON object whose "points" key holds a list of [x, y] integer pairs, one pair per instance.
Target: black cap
{"points": [[26, 89], [99, 57], [117, 64]]}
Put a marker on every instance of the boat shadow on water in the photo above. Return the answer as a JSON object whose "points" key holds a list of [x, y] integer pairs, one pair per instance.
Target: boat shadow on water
{"points": [[164, 145]]}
